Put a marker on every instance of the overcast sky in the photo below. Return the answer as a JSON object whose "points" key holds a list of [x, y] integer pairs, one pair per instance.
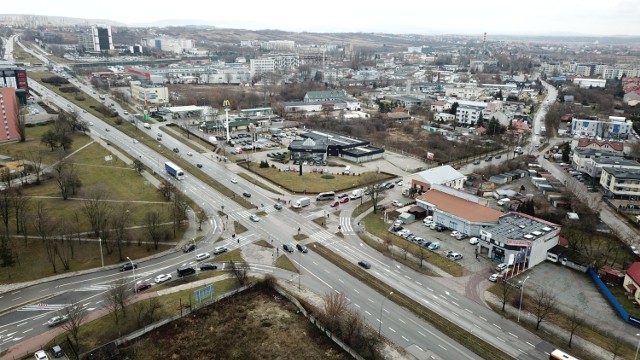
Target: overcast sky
{"points": [[546, 17]]}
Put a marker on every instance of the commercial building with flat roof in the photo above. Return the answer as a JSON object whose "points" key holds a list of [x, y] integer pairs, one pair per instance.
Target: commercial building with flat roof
{"points": [[334, 144]]}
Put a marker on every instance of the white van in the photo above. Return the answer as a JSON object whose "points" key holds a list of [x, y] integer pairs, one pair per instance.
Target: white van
{"points": [[347, 170], [329, 195]]}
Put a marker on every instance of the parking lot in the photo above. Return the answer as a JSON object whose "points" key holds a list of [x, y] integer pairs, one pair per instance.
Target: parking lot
{"points": [[449, 243]]}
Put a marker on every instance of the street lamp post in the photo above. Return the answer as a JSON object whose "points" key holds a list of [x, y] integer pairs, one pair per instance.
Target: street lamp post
{"points": [[101, 257], [637, 347], [381, 305], [133, 268], [521, 293]]}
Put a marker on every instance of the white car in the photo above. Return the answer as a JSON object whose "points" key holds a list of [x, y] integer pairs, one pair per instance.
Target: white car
{"points": [[219, 250], [455, 233], [162, 278], [495, 277], [202, 256], [254, 218], [397, 203], [473, 241], [234, 180], [41, 355], [190, 153]]}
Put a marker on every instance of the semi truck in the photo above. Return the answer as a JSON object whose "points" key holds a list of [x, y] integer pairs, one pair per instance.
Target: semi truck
{"points": [[174, 170], [302, 202]]}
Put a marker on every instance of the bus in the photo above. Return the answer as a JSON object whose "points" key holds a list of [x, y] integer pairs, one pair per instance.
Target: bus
{"points": [[329, 195], [558, 354]]}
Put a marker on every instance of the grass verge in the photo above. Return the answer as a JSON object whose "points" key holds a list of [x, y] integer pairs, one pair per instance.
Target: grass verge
{"points": [[322, 221], [386, 252], [235, 255], [263, 243], [252, 180], [238, 227], [283, 262], [457, 333], [299, 237]]}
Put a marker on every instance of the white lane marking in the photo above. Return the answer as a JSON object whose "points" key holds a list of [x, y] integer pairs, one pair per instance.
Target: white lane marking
{"points": [[405, 339], [392, 329], [356, 305], [370, 300], [530, 344], [514, 335], [419, 332], [15, 292], [476, 325], [22, 323], [368, 313], [497, 326], [336, 291], [455, 303], [26, 331], [471, 312], [417, 282], [500, 339], [341, 281], [402, 321], [357, 292], [445, 349], [482, 318], [430, 289], [43, 290], [419, 348]]}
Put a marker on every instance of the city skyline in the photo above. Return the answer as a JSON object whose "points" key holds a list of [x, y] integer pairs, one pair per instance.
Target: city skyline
{"points": [[571, 17]]}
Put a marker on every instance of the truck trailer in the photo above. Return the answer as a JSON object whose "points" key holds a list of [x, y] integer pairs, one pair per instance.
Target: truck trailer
{"points": [[174, 170]]}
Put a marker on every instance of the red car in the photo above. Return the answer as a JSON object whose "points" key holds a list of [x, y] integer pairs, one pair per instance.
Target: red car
{"points": [[344, 200], [335, 204]]}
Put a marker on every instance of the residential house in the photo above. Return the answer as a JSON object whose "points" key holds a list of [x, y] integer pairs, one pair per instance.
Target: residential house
{"points": [[621, 183], [631, 282]]}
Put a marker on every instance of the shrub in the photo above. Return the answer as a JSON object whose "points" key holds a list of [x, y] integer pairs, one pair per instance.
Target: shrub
{"points": [[328, 176]]}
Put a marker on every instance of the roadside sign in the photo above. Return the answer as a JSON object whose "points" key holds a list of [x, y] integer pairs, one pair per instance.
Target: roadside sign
{"points": [[203, 293]]}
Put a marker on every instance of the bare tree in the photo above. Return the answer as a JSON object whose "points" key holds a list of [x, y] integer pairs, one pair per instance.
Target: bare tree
{"points": [[240, 270], [138, 166], [202, 217], [75, 316], [543, 305], [119, 222], [374, 192], [63, 252], [505, 292], [334, 308], [146, 311], [421, 254], [575, 321], [21, 204], [167, 189], [36, 158], [153, 227], [45, 226], [6, 200], [116, 298], [405, 248], [178, 210], [66, 177], [98, 212], [21, 121]]}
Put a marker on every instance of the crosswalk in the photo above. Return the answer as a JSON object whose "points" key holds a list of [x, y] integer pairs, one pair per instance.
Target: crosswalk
{"points": [[92, 288], [43, 307], [345, 225]]}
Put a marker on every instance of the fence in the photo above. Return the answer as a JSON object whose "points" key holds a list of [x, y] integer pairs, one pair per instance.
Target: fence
{"points": [[612, 299]]}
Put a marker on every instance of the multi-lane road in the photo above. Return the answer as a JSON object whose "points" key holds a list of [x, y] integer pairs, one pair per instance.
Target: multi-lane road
{"points": [[33, 305]]}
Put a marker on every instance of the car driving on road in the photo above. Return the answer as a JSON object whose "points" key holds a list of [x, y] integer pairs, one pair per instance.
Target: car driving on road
{"points": [[162, 278], [128, 266], [254, 218], [208, 266], [219, 250], [364, 264], [57, 320], [203, 256]]}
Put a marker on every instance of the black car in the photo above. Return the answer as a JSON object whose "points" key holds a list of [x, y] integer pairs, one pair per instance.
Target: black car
{"points": [[246, 194], [208, 266], [189, 248], [186, 270], [342, 196], [439, 228], [364, 264], [488, 158], [302, 248], [498, 156], [390, 186], [199, 165], [277, 206], [288, 247], [128, 266], [477, 162]]}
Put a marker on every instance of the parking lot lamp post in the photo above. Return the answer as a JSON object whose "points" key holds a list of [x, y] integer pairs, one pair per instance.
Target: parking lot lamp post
{"points": [[381, 305], [101, 257], [637, 347], [521, 293], [133, 268]]}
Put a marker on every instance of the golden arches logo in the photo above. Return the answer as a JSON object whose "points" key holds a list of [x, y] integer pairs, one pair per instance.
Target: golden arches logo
{"points": [[226, 103]]}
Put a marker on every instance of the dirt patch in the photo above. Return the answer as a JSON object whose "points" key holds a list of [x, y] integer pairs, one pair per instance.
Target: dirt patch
{"points": [[256, 324]]}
